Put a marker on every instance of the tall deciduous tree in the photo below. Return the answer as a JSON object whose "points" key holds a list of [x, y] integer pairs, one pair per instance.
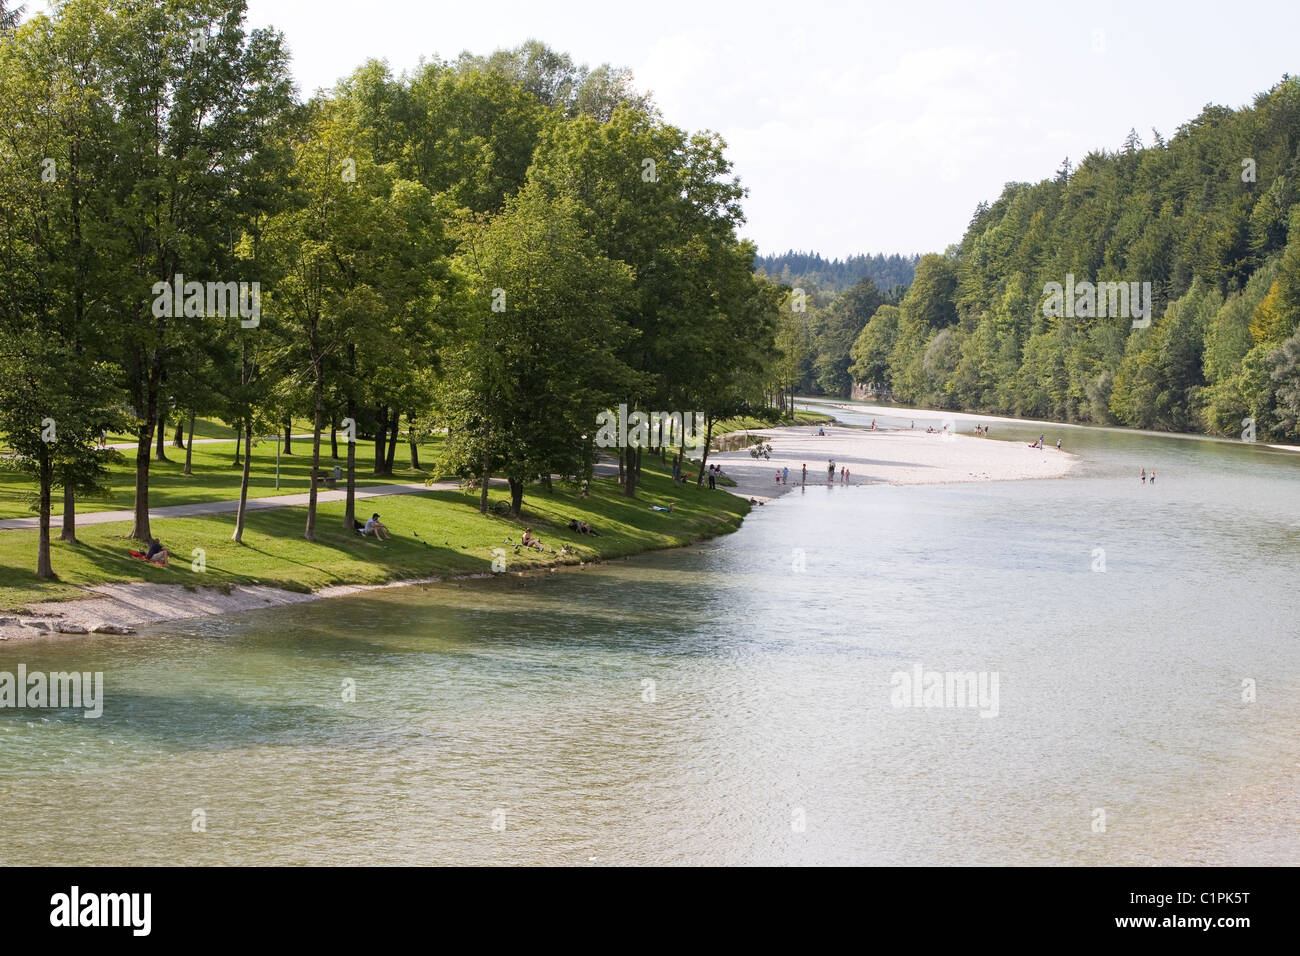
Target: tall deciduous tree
{"points": [[357, 262], [198, 102], [535, 357]]}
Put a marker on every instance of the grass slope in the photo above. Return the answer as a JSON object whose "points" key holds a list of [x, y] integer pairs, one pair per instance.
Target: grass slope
{"points": [[215, 478], [436, 533]]}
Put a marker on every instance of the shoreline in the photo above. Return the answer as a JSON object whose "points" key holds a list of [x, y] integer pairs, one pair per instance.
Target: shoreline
{"points": [[880, 457], [120, 608], [934, 414], [888, 456], [117, 609]]}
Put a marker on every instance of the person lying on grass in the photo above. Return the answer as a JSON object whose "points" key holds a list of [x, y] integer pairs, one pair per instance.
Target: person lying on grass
{"points": [[156, 554], [669, 509], [582, 528], [375, 527]]}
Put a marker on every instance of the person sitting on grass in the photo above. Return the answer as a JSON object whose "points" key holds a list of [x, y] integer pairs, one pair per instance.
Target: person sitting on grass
{"points": [[532, 542], [376, 527], [156, 554]]}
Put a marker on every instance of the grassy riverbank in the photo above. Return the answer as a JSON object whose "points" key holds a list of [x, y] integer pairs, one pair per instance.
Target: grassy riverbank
{"points": [[435, 533], [748, 423], [214, 476]]}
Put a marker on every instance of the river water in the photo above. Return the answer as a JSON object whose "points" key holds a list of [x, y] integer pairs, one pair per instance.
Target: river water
{"points": [[737, 701]]}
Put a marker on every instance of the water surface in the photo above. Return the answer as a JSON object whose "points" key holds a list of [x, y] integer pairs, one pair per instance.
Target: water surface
{"points": [[768, 734]]}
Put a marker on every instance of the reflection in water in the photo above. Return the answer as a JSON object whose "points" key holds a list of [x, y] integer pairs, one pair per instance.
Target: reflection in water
{"points": [[716, 704]]}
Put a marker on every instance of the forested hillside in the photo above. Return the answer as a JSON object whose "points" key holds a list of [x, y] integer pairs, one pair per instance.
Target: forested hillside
{"points": [[804, 269], [1208, 218]]}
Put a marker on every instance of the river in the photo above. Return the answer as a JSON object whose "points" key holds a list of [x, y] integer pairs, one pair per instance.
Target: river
{"points": [[735, 702]]}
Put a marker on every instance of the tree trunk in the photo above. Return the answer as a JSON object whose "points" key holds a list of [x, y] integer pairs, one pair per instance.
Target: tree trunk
{"points": [[317, 414], [483, 483], [69, 532], [633, 472], [238, 445], [410, 438], [178, 440], [189, 447], [588, 466], [516, 495], [160, 453], [140, 529], [334, 442], [288, 437], [708, 440], [381, 437], [392, 442], [44, 569], [238, 536], [350, 505]]}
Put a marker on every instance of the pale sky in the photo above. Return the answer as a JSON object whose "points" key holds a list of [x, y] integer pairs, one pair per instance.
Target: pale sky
{"points": [[857, 127]]}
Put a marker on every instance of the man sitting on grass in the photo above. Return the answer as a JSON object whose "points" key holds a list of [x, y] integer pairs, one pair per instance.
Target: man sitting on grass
{"points": [[157, 554], [373, 526]]}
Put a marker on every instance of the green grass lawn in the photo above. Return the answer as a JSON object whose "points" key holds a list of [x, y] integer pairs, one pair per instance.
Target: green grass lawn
{"points": [[804, 417], [750, 423], [435, 533], [215, 478], [205, 428]]}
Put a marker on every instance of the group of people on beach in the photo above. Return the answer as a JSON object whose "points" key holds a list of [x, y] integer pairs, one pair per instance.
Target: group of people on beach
{"points": [[783, 476], [830, 473]]}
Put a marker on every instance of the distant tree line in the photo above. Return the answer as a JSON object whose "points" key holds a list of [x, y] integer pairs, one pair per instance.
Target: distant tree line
{"points": [[1209, 218], [805, 269]]}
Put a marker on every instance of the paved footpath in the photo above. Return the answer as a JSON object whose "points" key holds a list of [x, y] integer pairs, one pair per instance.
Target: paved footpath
{"points": [[229, 507], [602, 469], [132, 445]]}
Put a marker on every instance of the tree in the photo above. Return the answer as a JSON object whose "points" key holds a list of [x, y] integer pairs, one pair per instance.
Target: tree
{"points": [[9, 19], [836, 330], [534, 359], [54, 308], [873, 346], [738, 348], [192, 94], [53, 404], [927, 309], [665, 204], [355, 261]]}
